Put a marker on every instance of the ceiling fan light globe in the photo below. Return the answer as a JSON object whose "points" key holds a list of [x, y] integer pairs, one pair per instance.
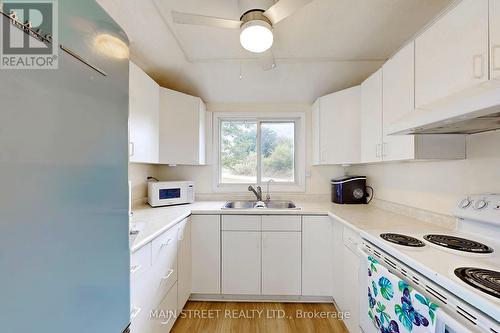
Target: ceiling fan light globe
{"points": [[256, 36]]}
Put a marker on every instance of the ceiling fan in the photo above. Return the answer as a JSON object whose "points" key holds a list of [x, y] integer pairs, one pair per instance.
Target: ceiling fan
{"points": [[256, 24]]}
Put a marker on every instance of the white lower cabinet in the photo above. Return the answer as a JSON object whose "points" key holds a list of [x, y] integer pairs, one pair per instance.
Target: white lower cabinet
{"points": [[346, 287], [165, 314], [241, 268], [184, 263], [317, 256], [205, 247], [154, 273], [281, 263]]}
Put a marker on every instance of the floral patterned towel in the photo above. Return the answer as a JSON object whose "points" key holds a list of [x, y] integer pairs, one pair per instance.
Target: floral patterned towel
{"points": [[394, 306]]}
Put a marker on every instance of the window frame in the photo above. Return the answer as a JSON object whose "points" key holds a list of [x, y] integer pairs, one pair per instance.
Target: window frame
{"points": [[298, 118]]}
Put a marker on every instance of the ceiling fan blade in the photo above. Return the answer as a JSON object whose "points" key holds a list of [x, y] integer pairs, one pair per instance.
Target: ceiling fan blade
{"points": [[284, 8], [266, 60], [193, 19]]}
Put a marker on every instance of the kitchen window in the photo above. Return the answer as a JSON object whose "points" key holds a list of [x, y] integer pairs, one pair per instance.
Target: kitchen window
{"points": [[257, 149]]}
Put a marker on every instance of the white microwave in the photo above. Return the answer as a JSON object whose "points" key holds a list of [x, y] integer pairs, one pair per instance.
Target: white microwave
{"points": [[170, 193]]}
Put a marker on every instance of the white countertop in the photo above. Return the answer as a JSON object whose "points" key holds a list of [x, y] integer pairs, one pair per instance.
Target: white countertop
{"points": [[358, 217]]}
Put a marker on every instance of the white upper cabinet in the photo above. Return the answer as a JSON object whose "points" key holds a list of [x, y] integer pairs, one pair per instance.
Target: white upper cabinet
{"points": [[336, 127], [143, 116], [371, 118], [452, 55], [182, 128], [398, 100], [495, 39]]}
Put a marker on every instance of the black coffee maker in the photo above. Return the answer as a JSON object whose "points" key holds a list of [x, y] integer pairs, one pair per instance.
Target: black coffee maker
{"points": [[351, 190]]}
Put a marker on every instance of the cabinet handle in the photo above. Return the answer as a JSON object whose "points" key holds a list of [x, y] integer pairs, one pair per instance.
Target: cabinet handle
{"points": [[180, 234], [135, 311], [378, 149], [478, 60], [135, 268], [166, 244], [385, 149], [132, 149], [496, 56], [168, 275]]}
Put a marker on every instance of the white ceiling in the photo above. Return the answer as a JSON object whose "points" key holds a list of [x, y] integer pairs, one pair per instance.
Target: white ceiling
{"points": [[326, 46]]}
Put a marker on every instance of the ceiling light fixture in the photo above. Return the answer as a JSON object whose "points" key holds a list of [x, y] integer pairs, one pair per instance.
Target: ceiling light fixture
{"points": [[111, 46], [256, 34]]}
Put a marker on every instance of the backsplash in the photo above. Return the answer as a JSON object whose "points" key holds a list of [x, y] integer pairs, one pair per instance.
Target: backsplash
{"points": [[438, 185]]}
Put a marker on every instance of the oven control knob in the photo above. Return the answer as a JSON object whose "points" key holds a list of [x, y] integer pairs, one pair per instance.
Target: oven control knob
{"points": [[481, 204], [465, 203]]}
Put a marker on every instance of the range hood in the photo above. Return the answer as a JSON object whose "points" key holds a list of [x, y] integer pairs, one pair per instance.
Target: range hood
{"points": [[473, 111]]}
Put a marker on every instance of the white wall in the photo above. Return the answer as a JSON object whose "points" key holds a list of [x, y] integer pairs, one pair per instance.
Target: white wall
{"points": [[436, 186], [317, 178], [137, 175]]}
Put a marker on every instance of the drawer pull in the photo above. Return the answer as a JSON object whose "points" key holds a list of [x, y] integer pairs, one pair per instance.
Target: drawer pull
{"points": [[168, 275], [166, 244], [135, 312], [166, 321], [180, 235], [135, 268], [478, 61], [496, 57]]}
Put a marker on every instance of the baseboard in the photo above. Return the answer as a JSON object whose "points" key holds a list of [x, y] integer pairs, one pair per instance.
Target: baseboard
{"points": [[260, 298]]}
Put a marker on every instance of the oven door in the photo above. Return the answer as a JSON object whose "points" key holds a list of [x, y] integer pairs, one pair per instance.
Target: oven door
{"points": [[384, 297]]}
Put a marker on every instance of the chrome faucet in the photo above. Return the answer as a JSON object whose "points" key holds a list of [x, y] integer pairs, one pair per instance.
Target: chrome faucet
{"points": [[258, 192], [268, 196]]}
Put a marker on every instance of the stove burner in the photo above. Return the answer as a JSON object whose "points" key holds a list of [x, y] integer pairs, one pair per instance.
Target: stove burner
{"points": [[402, 240], [482, 279], [457, 243]]}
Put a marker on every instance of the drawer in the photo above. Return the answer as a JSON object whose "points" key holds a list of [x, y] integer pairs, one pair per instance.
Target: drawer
{"points": [[281, 223], [140, 261], [164, 266], [351, 238], [241, 222], [165, 314]]}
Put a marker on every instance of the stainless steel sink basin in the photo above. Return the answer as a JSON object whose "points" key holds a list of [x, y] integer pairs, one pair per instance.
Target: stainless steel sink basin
{"points": [[273, 204]]}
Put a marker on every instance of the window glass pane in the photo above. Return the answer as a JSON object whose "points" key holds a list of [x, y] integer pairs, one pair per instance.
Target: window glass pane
{"points": [[277, 149], [238, 156]]}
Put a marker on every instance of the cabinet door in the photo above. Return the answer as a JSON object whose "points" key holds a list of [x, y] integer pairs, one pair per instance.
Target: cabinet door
{"points": [[316, 129], [452, 55], [182, 128], [371, 118], [143, 116], [351, 289], [205, 247], [339, 127], [281, 263], [495, 39], [317, 256], [338, 264], [398, 100], [241, 262], [184, 263]]}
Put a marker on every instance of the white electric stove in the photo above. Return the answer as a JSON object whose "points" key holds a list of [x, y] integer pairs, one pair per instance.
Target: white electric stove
{"points": [[463, 263]]}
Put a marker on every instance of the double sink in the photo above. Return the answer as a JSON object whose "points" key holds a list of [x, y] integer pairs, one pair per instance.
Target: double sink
{"points": [[271, 204]]}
